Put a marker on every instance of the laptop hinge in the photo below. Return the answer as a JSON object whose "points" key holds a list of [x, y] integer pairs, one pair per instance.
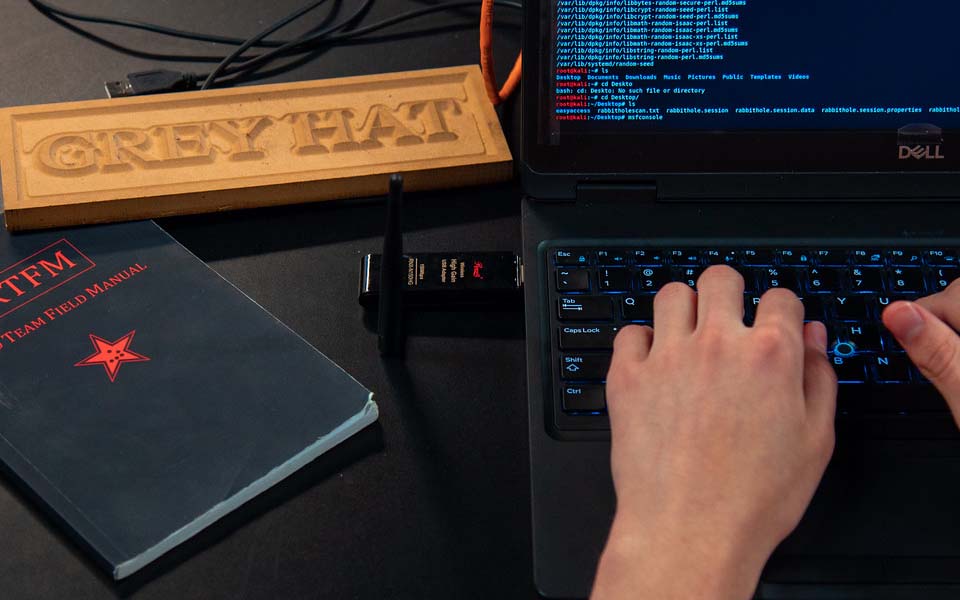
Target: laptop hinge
{"points": [[643, 191]]}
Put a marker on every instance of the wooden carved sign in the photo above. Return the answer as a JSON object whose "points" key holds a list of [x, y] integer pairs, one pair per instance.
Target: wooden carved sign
{"points": [[153, 156]]}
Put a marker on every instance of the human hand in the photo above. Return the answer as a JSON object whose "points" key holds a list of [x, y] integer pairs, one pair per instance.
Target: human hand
{"points": [[721, 433], [926, 330]]}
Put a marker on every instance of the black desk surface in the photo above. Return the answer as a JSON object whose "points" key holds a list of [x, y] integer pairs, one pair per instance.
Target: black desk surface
{"points": [[433, 501]]}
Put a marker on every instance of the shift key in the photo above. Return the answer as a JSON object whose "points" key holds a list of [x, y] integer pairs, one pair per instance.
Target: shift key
{"points": [[587, 337], [580, 366]]}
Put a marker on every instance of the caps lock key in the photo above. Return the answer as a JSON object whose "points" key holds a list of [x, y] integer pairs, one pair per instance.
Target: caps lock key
{"points": [[587, 337]]}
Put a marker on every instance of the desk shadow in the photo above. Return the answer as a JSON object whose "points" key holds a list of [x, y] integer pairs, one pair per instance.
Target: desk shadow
{"points": [[489, 323], [364, 443], [254, 231]]}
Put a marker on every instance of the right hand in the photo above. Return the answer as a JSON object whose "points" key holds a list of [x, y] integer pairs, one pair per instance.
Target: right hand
{"points": [[720, 435], [927, 330]]}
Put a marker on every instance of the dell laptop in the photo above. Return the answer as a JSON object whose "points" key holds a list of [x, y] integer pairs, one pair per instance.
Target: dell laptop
{"points": [[810, 145]]}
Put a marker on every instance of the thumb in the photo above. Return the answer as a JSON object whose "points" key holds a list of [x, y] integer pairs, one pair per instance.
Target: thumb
{"points": [[932, 345]]}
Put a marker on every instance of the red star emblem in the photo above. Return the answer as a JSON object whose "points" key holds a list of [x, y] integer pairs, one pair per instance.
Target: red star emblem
{"points": [[111, 354]]}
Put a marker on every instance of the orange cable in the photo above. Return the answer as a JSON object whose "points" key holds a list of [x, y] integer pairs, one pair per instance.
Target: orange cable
{"points": [[486, 59]]}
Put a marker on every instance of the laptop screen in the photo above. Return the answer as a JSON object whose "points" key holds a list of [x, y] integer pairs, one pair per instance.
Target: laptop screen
{"points": [[734, 85], [755, 64]]}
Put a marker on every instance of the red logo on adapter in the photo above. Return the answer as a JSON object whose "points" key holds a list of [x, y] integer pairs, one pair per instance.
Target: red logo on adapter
{"points": [[112, 354]]}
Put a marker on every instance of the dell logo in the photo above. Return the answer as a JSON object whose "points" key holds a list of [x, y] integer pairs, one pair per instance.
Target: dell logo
{"points": [[921, 152], [920, 141]]}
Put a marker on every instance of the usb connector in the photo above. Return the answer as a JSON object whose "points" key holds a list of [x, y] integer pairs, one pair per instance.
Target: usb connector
{"points": [[157, 81]]}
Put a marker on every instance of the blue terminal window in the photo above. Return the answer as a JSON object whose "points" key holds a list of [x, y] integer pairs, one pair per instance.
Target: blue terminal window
{"points": [[637, 65]]}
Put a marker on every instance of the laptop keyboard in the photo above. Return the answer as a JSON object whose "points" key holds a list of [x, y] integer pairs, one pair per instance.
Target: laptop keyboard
{"points": [[598, 290]]}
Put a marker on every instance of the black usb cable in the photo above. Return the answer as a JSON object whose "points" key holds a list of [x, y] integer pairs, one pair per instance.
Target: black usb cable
{"points": [[155, 81]]}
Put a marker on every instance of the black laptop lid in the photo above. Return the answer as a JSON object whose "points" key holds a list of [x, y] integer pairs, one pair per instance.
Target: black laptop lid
{"points": [[740, 98]]}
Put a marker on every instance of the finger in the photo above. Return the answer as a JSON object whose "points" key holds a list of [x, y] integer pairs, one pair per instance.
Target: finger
{"points": [[720, 296], [630, 347], [632, 344], [932, 346], [819, 378], [945, 305], [780, 308], [674, 311]]}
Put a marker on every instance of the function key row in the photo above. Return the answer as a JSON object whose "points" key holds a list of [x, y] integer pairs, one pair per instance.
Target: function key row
{"points": [[828, 257]]}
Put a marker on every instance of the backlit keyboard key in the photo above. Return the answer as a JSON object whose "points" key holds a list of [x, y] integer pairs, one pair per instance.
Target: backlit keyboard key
{"points": [[612, 258], [850, 308], [585, 308], [942, 277], [584, 398], [651, 279], [754, 257], [587, 337], [780, 277], [637, 308], [570, 258], [814, 308], [831, 257], [573, 280], [905, 257], [750, 303], [648, 258], [867, 257], [749, 279], [721, 257], [865, 337], [850, 369], [906, 280], [688, 275], [890, 343], [684, 258], [823, 280], [865, 279], [796, 258], [880, 303], [940, 257], [584, 367], [615, 279], [891, 367]]}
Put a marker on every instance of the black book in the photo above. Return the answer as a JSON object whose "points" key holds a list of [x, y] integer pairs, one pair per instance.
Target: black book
{"points": [[142, 396]]}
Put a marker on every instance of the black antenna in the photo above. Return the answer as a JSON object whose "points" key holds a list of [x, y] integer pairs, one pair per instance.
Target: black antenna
{"points": [[390, 318]]}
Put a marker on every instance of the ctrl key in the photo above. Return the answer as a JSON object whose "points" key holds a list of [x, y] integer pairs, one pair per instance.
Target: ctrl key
{"points": [[584, 398]]}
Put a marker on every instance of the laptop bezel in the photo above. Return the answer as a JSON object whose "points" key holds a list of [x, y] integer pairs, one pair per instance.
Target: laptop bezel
{"points": [[839, 164]]}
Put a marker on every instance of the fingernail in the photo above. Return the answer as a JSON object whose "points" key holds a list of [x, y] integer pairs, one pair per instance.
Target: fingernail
{"points": [[905, 322]]}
